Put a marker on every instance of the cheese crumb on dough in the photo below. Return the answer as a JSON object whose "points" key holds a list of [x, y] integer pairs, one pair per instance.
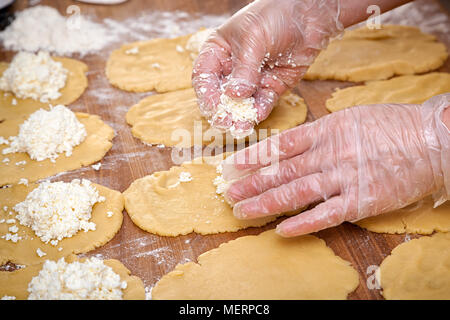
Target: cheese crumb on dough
{"points": [[40, 253], [241, 110], [132, 51], [8, 298], [45, 134], [185, 177], [88, 280], [97, 166], [57, 210], [35, 76]]}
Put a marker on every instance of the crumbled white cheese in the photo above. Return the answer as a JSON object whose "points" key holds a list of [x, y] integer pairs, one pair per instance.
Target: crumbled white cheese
{"points": [[11, 221], [13, 229], [88, 280], [196, 42], [19, 163], [40, 253], [2, 221], [185, 177], [57, 210], [23, 181], [156, 65], [110, 214], [12, 237], [45, 134], [97, 166], [132, 51], [8, 298], [14, 102], [35, 76], [220, 184], [3, 141], [6, 160], [5, 208], [240, 110]]}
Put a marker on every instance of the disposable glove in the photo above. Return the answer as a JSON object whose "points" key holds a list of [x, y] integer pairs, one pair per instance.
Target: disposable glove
{"points": [[358, 162]]}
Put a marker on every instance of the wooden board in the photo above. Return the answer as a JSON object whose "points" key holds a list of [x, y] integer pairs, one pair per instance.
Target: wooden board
{"points": [[149, 256]]}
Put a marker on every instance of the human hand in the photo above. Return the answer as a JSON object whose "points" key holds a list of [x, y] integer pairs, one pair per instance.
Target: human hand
{"points": [[260, 52], [361, 162]]}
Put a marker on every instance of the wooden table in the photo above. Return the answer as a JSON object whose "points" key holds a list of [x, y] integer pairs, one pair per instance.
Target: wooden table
{"points": [[149, 256]]}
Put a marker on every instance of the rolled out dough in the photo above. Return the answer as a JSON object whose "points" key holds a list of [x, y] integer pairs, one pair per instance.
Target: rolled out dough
{"points": [[24, 251], [266, 266], [162, 205], [403, 89], [167, 118], [418, 270], [418, 218], [375, 54], [157, 65], [91, 150], [75, 85], [16, 283]]}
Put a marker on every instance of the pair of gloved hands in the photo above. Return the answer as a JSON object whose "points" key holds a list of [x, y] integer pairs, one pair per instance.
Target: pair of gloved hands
{"points": [[362, 161]]}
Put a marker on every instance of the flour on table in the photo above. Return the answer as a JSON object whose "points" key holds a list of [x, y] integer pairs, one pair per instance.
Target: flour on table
{"points": [[35, 76], [88, 280], [57, 210], [46, 134]]}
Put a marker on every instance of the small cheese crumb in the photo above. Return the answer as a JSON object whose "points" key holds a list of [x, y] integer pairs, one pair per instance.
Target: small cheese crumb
{"points": [[110, 214], [40, 253], [185, 177], [19, 163], [5, 208], [12, 237], [8, 298], [97, 166], [35, 76], [46, 134], [156, 66], [13, 229], [14, 102], [6, 160], [3, 141], [87, 280], [11, 221], [132, 51], [23, 181], [179, 48]]}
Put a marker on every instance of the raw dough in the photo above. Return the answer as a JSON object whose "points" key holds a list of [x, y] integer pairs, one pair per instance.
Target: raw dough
{"points": [[91, 150], [417, 218], [24, 251], [16, 283], [418, 270], [162, 205], [138, 72], [266, 266], [404, 89], [364, 54], [156, 118], [75, 85]]}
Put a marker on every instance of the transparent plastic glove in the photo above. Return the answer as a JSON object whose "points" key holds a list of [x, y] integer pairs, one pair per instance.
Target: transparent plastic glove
{"points": [[264, 49], [361, 162]]}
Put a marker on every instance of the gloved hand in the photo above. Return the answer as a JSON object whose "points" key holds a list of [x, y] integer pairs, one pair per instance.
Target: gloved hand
{"points": [[263, 50], [362, 161]]}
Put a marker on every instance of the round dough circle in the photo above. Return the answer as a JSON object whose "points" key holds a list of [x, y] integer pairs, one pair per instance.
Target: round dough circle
{"points": [[162, 205], [418, 269], [75, 85], [174, 119], [16, 283], [266, 266], [419, 218], [24, 251], [374, 54]]}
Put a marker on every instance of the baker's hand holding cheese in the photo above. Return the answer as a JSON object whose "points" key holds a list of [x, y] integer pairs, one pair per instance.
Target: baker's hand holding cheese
{"points": [[359, 162]]}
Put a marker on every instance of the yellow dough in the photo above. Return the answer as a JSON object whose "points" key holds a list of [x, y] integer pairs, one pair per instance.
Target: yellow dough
{"points": [[417, 218], [163, 118], [418, 270], [162, 205], [16, 283], [91, 150], [75, 85], [403, 89], [377, 54], [266, 266], [137, 72], [24, 251]]}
